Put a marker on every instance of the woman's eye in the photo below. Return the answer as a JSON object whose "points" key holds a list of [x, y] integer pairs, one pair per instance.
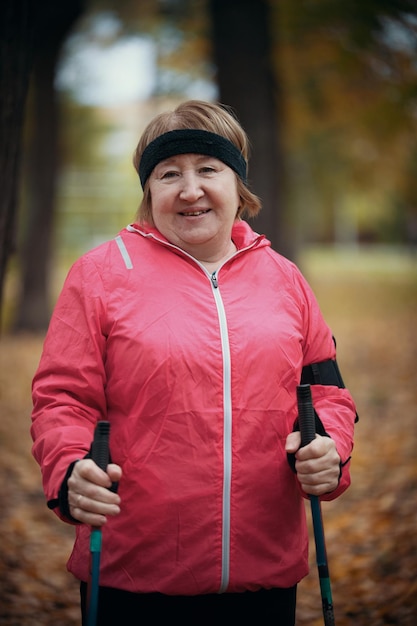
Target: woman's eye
{"points": [[207, 169], [169, 174]]}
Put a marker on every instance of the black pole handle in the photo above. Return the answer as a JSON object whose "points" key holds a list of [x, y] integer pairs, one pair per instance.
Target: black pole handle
{"points": [[307, 422], [306, 416], [100, 448]]}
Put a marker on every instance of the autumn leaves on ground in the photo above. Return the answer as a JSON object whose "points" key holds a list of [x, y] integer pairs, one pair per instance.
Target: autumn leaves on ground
{"points": [[370, 301]]}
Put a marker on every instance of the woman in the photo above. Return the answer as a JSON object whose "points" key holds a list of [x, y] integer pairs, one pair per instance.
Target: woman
{"points": [[190, 334]]}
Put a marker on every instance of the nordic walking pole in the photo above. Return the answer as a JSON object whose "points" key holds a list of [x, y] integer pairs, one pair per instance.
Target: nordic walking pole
{"points": [[100, 455], [307, 423]]}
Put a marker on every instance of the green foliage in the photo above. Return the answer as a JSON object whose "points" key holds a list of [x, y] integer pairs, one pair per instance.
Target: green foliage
{"points": [[349, 82]]}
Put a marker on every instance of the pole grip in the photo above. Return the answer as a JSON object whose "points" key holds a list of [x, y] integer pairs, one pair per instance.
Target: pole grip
{"points": [[100, 448], [306, 416], [100, 455]]}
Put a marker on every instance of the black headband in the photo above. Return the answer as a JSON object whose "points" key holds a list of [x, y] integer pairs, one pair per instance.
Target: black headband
{"points": [[190, 141]]}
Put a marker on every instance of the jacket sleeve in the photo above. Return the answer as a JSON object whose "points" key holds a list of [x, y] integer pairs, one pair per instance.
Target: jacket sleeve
{"points": [[68, 388], [334, 405]]}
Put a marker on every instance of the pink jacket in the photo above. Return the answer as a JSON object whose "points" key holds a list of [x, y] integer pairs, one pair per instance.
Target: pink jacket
{"points": [[197, 374]]}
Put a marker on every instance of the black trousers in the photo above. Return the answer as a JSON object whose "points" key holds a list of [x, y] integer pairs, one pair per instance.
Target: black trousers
{"points": [[264, 607]]}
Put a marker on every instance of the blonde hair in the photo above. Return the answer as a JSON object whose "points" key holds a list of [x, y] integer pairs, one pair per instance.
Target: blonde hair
{"points": [[197, 114]]}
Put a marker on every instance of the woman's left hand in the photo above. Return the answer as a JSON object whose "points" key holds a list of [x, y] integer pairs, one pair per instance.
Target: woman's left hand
{"points": [[317, 464]]}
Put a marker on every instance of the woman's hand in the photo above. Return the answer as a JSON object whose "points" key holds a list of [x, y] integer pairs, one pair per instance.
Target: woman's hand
{"points": [[90, 500], [317, 464]]}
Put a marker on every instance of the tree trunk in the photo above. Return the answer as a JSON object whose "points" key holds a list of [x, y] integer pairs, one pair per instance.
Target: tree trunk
{"points": [[33, 311], [16, 54], [242, 51], [34, 254]]}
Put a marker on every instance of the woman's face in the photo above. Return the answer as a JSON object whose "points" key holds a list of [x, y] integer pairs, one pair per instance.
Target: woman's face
{"points": [[194, 203]]}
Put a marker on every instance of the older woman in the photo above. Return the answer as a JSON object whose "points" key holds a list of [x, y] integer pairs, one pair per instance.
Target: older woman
{"points": [[190, 335]]}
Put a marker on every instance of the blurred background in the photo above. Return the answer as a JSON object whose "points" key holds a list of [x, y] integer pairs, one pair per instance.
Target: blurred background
{"points": [[327, 92]]}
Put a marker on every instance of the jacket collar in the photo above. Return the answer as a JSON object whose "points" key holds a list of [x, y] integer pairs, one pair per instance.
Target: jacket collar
{"points": [[242, 234]]}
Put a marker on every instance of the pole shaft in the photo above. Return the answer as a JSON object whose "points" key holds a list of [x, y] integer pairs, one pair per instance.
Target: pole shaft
{"points": [[307, 421]]}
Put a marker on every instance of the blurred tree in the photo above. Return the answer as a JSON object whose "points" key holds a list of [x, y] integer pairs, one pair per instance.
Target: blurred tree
{"points": [[17, 31], [350, 81], [54, 20], [243, 54]]}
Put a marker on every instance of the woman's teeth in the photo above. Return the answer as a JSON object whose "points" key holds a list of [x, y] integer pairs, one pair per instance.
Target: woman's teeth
{"points": [[194, 213]]}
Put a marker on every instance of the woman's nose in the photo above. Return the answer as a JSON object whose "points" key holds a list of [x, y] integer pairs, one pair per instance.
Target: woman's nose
{"points": [[190, 187]]}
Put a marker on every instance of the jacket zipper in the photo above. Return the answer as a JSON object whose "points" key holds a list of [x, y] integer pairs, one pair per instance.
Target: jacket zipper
{"points": [[227, 414], [227, 436], [214, 280]]}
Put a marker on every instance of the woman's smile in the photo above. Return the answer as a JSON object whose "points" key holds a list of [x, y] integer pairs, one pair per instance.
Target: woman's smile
{"points": [[194, 212]]}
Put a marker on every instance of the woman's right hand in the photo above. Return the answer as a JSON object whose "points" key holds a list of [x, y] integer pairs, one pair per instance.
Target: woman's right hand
{"points": [[89, 498]]}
